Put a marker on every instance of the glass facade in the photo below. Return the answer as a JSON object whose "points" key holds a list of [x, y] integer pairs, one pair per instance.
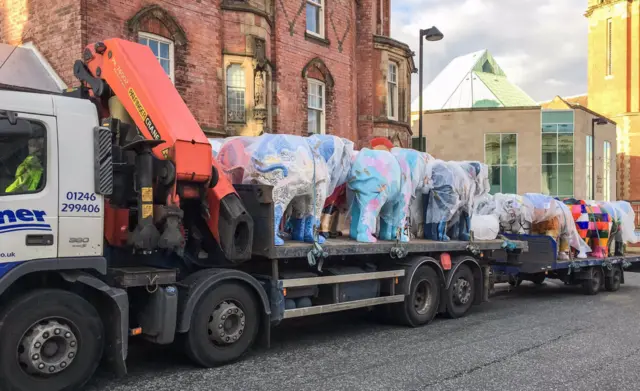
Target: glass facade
{"points": [[501, 155], [557, 152]]}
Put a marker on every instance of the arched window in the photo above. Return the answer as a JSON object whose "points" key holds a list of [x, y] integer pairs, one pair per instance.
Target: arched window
{"points": [[236, 88], [162, 48]]}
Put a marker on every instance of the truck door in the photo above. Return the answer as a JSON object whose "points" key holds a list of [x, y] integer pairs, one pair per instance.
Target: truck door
{"points": [[28, 188]]}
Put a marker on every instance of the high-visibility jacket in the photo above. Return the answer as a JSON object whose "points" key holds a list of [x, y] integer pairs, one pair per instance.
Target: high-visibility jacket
{"points": [[28, 176]]}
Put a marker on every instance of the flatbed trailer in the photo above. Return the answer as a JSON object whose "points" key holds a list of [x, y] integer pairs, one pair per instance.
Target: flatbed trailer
{"points": [[541, 262]]}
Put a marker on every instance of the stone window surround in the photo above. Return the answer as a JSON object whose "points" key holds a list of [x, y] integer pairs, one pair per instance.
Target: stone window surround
{"points": [[403, 81], [249, 65], [310, 82]]}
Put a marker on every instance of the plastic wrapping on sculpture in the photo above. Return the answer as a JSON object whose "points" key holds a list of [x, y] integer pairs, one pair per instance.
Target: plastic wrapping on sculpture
{"points": [[415, 181], [234, 157], [514, 212], [336, 152], [623, 220], [416, 208], [374, 191], [216, 144], [485, 227], [289, 164], [593, 225], [452, 193], [545, 207], [628, 218], [569, 233]]}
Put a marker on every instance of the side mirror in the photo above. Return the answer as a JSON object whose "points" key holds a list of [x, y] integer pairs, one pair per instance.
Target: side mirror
{"points": [[20, 127]]}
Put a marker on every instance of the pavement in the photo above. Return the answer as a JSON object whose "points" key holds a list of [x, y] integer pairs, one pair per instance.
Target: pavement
{"points": [[527, 338]]}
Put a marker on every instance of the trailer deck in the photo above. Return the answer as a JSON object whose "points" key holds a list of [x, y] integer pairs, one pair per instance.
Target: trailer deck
{"points": [[346, 246]]}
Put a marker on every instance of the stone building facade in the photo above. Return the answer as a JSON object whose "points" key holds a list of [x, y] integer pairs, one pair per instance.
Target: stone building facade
{"points": [[530, 149], [246, 66], [614, 80]]}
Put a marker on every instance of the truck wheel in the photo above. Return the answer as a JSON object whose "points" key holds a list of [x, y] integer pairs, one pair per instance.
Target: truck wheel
{"points": [[612, 283], [223, 326], [461, 292], [591, 286], [421, 304], [52, 340], [515, 281]]}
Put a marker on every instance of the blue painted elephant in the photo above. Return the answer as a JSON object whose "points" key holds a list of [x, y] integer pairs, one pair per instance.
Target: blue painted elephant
{"points": [[298, 174], [455, 187], [375, 190], [414, 179]]}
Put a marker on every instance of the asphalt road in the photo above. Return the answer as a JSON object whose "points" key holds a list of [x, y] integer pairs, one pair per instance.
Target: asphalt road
{"points": [[530, 338]]}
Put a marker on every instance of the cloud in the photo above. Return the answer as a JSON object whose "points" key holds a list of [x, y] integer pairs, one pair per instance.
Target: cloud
{"points": [[540, 44]]}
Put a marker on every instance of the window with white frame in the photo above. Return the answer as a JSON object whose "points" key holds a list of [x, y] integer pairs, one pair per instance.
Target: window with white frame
{"points": [[392, 91], [315, 17], [162, 48], [315, 106], [235, 93]]}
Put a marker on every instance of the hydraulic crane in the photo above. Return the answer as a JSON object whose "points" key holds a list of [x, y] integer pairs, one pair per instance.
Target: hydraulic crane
{"points": [[166, 189]]}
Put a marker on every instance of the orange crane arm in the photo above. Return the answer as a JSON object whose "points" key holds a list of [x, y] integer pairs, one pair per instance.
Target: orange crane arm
{"points": [[131, 72]]}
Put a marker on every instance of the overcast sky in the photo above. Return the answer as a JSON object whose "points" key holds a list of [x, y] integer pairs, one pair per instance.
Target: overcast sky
{"points": [[540, 44]]}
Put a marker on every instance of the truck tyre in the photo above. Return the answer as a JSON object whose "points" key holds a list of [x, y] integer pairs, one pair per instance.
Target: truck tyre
{"points": [[224, 325], [421, 304], [52, 340], [592, 285], [612, 283], [461, 292]]}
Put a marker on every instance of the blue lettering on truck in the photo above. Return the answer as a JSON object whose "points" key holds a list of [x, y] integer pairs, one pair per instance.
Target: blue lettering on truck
{"points": [[22, 220]]}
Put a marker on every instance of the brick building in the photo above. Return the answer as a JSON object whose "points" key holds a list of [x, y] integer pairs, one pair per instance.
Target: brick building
{"points": [[246, 66]]}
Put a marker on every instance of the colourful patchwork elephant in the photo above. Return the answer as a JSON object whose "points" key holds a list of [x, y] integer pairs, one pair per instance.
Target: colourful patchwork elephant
{"points": [[375, 190], [296, 171], [593, 225]]}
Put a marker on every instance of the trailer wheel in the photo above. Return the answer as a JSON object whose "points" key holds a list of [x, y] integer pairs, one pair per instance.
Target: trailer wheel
{"points": [[592, 285], [461, 292], [421, 304], [612, 283], [224, 325], [52, 340]]}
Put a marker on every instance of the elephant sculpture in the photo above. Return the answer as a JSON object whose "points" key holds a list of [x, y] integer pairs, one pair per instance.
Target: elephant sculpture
{"points": [[297, 172], [374, 189], [455, 187], [622, 225], [593, 225]]}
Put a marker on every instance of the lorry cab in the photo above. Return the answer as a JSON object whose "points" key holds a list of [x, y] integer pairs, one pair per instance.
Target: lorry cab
{"points": [[48, 207]]}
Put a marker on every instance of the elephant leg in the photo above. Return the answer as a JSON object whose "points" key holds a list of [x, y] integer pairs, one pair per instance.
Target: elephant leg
{"points": [[401, 216], [281, 202], [369, 206], [563, 250], [297, 218], [464, 227], [314, 212], [387, 228]]}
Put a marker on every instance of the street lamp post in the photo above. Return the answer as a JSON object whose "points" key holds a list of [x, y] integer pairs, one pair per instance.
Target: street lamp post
{"points": [[431, 34], [594, 121]]}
